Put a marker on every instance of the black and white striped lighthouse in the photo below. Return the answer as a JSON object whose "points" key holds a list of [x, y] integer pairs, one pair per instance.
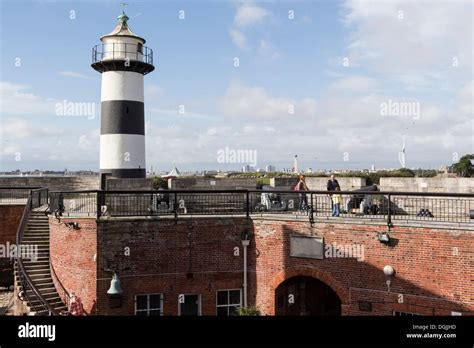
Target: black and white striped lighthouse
{"points": [[123, 60]]}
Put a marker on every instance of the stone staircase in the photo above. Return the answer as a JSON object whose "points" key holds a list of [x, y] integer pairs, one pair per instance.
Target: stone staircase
{"points": [[37, 233]]}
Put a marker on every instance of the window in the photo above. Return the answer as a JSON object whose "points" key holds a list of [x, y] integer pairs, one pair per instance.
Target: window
{"points": [[151, 304], [404, 314], [228, 301], [140, 48]]}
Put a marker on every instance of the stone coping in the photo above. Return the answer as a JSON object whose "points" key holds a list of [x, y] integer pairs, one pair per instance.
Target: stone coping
{"points": [[289, 218]]}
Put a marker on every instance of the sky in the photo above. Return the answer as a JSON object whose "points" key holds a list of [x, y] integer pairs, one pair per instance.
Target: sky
{"points": [[342, 84]]}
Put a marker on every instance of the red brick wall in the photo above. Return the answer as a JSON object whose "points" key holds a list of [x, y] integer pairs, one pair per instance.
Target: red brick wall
{"points": [[433, 268], [73, 258], [10, 216], [159, 260], [432, 276]]}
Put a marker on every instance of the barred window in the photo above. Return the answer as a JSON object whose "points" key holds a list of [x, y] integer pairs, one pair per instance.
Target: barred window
{"points": [[405, 314]]}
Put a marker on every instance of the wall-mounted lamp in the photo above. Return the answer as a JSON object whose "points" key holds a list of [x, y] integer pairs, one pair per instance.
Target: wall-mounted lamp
{"points": [[389, 272], [384, 238], [246, 235]]}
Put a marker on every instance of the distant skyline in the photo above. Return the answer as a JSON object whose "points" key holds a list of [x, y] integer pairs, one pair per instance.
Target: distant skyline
{"points": [[343, 84]]}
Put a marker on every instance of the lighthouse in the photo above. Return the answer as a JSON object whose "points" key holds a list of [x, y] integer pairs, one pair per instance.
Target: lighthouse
{"points": [[123, 60]]}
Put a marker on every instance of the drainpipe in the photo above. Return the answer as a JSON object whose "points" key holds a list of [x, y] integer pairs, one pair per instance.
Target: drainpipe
{"points": [[245, 244]]}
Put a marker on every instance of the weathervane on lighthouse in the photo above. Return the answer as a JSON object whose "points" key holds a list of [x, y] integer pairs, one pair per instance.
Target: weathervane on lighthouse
{"points": [[123, 60]]}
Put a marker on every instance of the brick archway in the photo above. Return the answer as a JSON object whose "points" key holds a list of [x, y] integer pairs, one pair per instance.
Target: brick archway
{"points": [[314, 273]]}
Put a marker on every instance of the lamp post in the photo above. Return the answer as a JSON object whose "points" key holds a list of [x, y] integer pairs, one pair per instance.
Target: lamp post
{"points": [[245, 244]]}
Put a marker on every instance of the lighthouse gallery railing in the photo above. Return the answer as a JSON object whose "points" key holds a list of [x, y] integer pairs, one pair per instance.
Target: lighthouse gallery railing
{"points": [[122, 51]]}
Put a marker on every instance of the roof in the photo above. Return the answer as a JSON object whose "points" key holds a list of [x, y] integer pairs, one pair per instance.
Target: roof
{"points": [[122, 29], [173, 174]]}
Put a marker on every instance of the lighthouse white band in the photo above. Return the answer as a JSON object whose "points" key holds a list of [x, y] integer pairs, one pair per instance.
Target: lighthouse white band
{"points": [[122, 85], [122, 151]]}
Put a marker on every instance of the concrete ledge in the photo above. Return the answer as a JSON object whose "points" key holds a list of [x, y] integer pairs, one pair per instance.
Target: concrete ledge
{"points": [[299, 218]]}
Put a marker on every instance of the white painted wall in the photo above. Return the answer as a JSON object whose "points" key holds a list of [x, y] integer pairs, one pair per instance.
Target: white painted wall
{"points": [[122, 151], [436, 184], [119, 47], [122, 85]]}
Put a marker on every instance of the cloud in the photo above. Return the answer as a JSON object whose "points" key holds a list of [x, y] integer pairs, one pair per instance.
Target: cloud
{"points": [[342, 121], [153, 91], [255, 103], [238, 39], [249, 13], [75, 75], [353, 84], [21, 129], [176, 113], [219, 131], [16, 100], [89, 141], [465, 101], [267, 50], [403, 36], [11, 150]]}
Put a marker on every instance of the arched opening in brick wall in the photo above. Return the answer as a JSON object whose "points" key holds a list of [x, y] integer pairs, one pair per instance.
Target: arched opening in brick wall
{"points": [[304, 295], [300, 271]]}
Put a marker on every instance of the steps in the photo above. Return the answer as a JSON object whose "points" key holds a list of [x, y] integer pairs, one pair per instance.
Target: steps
{"points": [[37, 233]]}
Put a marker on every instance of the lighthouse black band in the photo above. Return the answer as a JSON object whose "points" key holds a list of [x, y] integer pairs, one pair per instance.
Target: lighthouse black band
{"points": [[125, 173], [122, 117]]}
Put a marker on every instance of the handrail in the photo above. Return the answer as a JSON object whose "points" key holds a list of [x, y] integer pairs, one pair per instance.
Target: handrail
{"points": [[387, 205], [321, 192], [19, 188], [67, 295], [24, 277]]}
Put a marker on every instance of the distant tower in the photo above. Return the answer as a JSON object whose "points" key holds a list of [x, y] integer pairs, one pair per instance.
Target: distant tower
{"points": [[402, 155], [123, 60], [295, 165]]}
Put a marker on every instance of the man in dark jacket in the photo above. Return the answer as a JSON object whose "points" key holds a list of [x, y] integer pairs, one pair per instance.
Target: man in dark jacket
{"points": [[331, 186], [333, 183]]}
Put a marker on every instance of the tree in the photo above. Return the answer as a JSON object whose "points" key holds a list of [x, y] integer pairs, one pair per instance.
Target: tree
{"points": [[248, 312], [464, 167], [159, 183]]}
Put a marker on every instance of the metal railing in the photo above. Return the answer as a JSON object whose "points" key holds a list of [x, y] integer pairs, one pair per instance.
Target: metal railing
{"points": [[18, 195], [28, 290], [122, 51], [73, 203], [387, 206], [174, 203], [374, 205]]}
